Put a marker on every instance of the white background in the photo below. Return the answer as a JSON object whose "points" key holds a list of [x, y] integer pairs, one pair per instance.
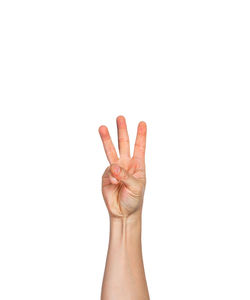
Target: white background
{"points": [[67, 67]]}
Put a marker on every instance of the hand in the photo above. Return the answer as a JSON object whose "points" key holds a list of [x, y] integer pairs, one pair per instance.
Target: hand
{"points": [[123, 182]]}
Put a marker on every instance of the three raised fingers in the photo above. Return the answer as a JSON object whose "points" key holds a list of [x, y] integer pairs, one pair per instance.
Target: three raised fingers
{"points": [[123, 141]]}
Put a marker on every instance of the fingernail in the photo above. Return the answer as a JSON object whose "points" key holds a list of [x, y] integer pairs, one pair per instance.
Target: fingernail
{"points": [[114, 180], [117, 169]]}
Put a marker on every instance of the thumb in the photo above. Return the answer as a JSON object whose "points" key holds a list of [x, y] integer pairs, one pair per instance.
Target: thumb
{"points": [[122, 175]]}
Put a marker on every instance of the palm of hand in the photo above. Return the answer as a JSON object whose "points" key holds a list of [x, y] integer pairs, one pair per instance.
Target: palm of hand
{"points": [[120, 199], [123, 190]]}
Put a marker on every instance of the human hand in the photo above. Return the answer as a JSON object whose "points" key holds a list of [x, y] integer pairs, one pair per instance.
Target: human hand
{"points": [[123, 182]]}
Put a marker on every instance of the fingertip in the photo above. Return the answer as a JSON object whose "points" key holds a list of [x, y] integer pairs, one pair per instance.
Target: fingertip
{"points": [[103, 131], [143, 123], [142, 127], [102, 128], [120, 117], [121, 122]]}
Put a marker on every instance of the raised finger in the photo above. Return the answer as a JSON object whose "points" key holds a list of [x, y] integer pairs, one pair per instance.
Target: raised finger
{"points": [[123, 138], [140, 142], [108, 145]]}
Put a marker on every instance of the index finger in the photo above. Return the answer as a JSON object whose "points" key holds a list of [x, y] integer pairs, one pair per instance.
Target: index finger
{"points": [[140, 142], [108, 144]]}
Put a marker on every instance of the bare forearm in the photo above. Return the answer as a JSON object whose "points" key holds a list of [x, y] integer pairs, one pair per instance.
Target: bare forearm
{"points": [[124, 276]]}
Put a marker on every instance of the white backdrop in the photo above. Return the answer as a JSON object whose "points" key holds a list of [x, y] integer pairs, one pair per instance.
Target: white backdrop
{"points": [[67, 67]]}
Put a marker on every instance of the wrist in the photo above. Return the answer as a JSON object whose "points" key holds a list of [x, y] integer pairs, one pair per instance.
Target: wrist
{"points": [[126, 228], [133, 218]]}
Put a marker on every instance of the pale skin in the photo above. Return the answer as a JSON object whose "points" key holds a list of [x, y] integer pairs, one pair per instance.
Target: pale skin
{"points": [[123, 186]]}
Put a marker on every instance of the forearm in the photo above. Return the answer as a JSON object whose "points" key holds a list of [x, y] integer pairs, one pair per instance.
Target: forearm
{"points": [[124, 276]]}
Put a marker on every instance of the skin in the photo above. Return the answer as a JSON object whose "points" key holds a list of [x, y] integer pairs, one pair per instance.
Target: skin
{"points": [[123, 186]]}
